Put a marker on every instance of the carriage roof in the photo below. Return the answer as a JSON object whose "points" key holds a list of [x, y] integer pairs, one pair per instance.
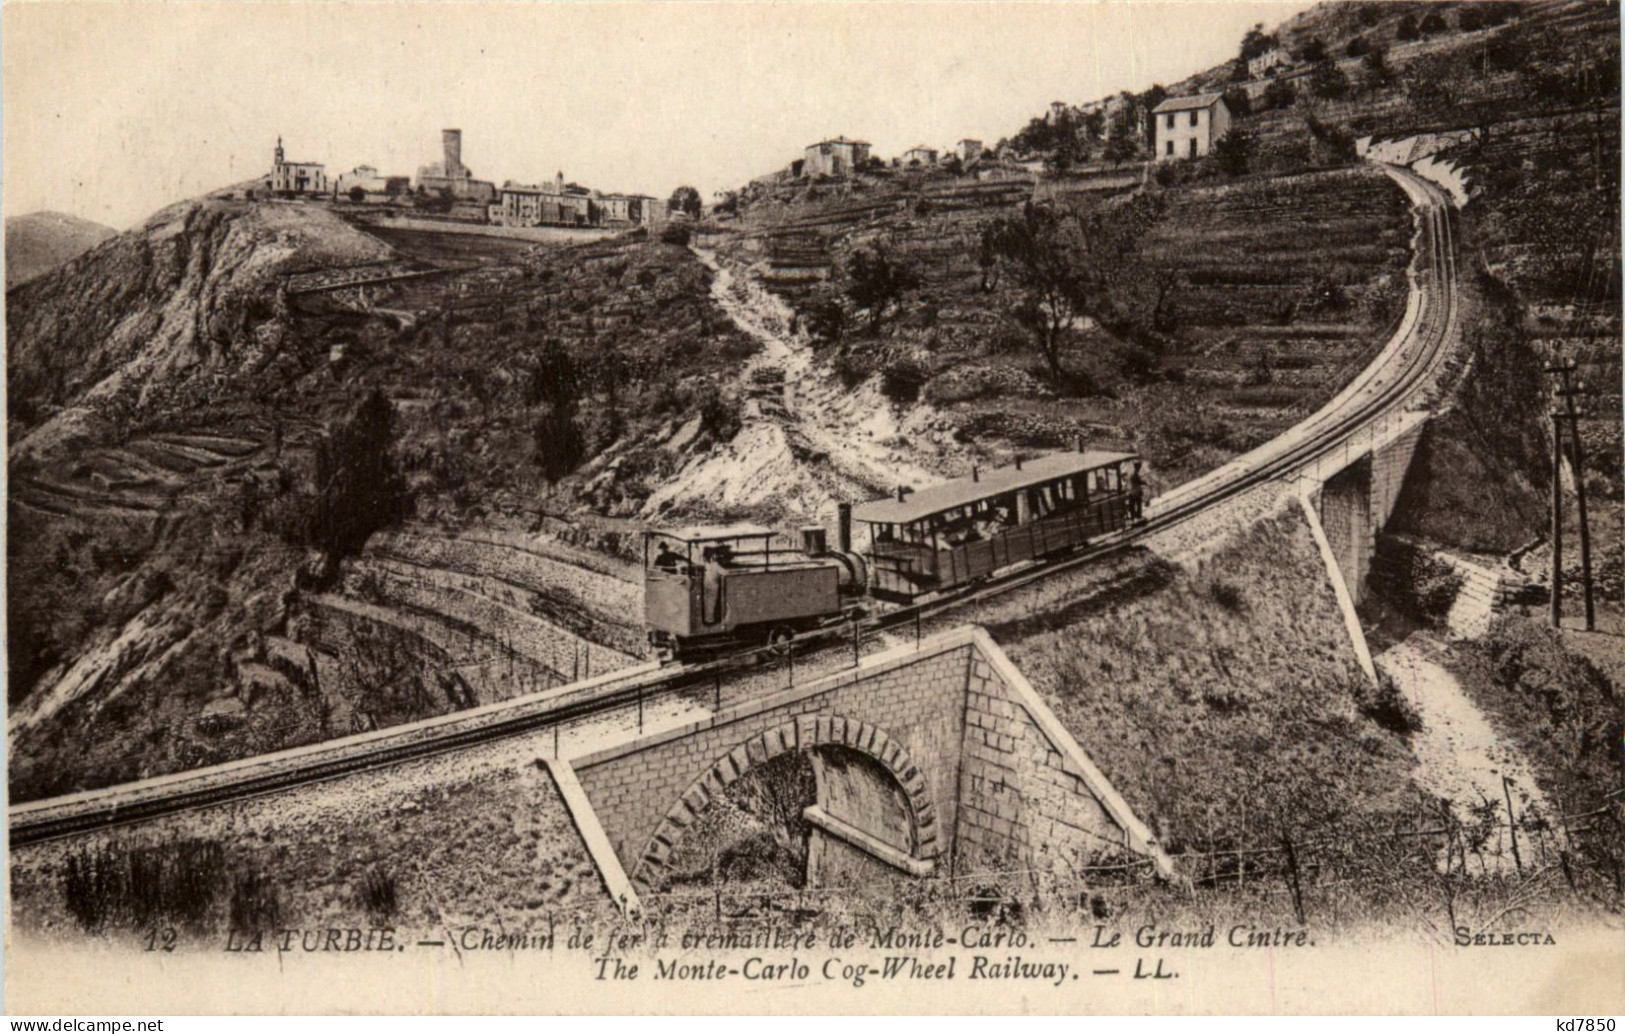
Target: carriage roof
{"points": [[951, 495]]}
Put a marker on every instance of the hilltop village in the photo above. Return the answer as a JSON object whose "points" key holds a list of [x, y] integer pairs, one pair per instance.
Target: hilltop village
{"points": [[448, 190]]}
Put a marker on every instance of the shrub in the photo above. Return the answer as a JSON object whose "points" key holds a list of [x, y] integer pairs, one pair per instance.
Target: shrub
{"points": [[1279, 94], [1228, 595], [1233, 152], [901, 379], [377, 894], [1328, 81], [1387, 706], [853, 369], [1405, 28], [719, 415], [144, 888], [678, 234]]}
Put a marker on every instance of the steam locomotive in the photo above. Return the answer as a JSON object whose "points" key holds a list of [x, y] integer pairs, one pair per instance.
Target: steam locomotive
{"points": [[712, 589]]}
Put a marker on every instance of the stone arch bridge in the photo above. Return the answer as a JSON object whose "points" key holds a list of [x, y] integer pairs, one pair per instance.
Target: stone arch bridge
{"points": [[929, 757]]}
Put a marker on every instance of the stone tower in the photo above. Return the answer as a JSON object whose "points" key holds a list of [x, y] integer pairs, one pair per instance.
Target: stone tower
{"points": [[452, 139], [277, 160]]}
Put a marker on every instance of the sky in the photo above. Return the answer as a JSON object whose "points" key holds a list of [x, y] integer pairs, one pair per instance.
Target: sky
{"points": [[114, 110]]}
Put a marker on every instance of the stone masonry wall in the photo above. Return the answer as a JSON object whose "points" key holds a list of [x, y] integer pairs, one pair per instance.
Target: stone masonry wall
{"points": [[1020, 806], [918, 706]]}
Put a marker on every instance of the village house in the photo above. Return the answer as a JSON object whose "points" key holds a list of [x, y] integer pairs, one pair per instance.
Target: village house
{"points": [[1275, 59], [547, 204], [370, 181], [295, 177], [969, 150], [1187, 127], [451, 176], [626, 209], [837, 158], [920, 154]]}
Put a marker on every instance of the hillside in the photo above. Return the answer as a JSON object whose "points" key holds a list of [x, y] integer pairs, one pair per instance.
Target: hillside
{"points": [[39, 242], [211, 413], [1248, 304]]}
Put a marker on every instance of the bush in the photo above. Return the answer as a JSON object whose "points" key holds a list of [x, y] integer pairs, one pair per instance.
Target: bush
{"points": [[1233, 152], [853, 369], [1328, 81], [678, 234], [902, 379], [1228, 595], [377, 894], [1279, 94], [1387, 706], [719, 415]]}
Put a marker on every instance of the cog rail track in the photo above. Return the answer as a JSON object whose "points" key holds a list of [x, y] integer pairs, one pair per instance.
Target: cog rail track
{"points": [[1319, 435]]}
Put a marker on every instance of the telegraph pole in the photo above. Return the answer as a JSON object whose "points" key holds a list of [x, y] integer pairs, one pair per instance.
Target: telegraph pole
{"points": [[1557, 521], [1565, 392]]}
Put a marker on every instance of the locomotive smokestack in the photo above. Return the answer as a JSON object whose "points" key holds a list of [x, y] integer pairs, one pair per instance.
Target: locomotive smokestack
{"points": [[1018, 461], [975, 473], [843, 528]]}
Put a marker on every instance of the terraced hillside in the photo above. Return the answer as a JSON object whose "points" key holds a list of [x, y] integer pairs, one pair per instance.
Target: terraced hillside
{"points": [[1278, 289], [177, 598]]}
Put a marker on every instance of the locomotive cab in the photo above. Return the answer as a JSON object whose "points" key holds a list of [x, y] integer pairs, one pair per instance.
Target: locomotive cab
{"points": [[710, 588]]}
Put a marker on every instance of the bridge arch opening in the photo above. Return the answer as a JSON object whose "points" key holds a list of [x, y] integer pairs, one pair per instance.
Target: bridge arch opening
{"points": [[812, 799]]}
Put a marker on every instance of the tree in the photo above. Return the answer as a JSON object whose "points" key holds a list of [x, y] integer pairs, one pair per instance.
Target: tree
{"points": [[359, 489], [1279, 94], [560, 444], [555, 379], [357, 194], [1432, 23], [1405, 29], [1313, 50], [1238, 101], [1070, 263], [1377, 72], [685, 200], [827, 321], [1124, 145], [1357, 47], [1256, 42], [1328, 81], [1234, 151], [876, 283]]}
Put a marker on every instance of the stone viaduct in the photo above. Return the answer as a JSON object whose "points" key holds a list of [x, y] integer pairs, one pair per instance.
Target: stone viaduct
{"points": [[928, 757]]}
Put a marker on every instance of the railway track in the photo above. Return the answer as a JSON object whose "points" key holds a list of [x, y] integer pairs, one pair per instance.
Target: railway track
{"points": [[1404, 367]]}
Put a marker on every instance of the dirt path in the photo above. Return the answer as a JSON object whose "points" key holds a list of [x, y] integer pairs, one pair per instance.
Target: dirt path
{"points": [[1461, 757], [807, 442]]}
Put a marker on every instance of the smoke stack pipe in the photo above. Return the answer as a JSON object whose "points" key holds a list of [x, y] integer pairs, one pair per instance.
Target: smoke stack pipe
{"points": [[1018, 461], [900, 493], [843, 532], [975, 473]]}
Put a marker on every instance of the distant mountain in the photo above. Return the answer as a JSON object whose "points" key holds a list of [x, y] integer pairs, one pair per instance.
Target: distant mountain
{"points": [[41, 241]]}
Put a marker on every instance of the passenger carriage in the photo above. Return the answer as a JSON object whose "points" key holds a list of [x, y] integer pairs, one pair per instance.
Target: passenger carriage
{"points": [[950, 535]]}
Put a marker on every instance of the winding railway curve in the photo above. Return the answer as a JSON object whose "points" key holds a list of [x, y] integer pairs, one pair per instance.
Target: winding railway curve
{"points": [[1401, 379]]}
